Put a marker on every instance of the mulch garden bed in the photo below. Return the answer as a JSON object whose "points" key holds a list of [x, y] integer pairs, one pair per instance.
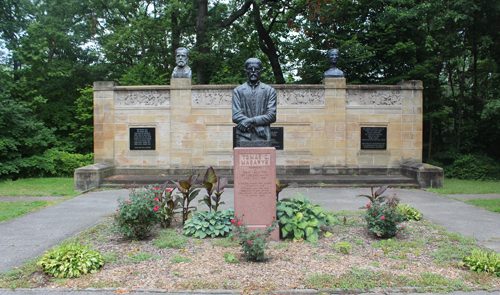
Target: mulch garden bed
{"points": [[422, 255]]}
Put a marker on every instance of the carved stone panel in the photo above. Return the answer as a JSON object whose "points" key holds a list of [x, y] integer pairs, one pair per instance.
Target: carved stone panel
{"points": [[221, 97], [293, 97], [212, 97], [373, 97], [142, 98]]}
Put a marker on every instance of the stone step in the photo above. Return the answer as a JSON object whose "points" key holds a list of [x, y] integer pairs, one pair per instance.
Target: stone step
{"points": [[301, 180]]}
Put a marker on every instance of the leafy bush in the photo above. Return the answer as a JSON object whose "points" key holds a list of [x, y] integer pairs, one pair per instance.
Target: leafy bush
{"points": [[382, 215], [299, 219], [253, 242], [482, 260], [476, 167], [170, 239], [71, 261], [23, 138], [213, 224], [409, 212], [137, 216], [62, 163]]}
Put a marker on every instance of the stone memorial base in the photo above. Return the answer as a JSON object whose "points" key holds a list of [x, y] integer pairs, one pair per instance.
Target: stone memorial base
{"points": [[255, 187]]}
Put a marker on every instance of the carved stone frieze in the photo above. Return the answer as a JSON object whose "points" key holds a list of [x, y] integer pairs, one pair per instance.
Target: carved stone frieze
{"points": [[220, 97], [212, 97], [142, 98], [293, 97], [357, 97]]}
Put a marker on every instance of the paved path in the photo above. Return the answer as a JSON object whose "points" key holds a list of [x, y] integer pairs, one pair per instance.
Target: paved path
{"points": [[30, 235]]}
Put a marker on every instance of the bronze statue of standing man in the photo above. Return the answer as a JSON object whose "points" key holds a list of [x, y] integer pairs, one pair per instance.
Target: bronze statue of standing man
{"points": [[254, 108]]}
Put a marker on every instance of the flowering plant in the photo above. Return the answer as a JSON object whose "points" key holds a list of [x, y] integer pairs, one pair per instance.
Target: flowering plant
{"points": [[168, 203], [137, 216], [253, 242], [382, 215]]}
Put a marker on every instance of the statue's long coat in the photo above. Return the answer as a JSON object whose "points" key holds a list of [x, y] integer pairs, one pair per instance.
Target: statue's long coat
{"points": [[264, 110]]}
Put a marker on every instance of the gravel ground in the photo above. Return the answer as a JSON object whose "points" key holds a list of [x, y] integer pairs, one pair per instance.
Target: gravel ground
{"points": [[291, 265]]}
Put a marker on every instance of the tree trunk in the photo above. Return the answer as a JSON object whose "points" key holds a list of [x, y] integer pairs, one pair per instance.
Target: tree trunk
{"points": [[176, 33], [267, 46], [201, 36]]}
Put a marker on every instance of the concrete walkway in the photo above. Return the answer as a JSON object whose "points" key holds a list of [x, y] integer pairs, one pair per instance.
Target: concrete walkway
{"points": [[28, 236]]}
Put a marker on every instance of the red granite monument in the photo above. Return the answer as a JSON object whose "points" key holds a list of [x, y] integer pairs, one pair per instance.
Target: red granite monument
{"points": [[255, 187]]}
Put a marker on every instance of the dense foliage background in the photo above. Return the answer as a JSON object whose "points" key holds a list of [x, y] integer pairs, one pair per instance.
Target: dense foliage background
{"points": [[53, 50]]}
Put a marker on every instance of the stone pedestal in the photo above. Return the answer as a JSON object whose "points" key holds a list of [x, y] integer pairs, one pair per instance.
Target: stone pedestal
{"points": [[180, 122], [104, 124], [255, 187]]}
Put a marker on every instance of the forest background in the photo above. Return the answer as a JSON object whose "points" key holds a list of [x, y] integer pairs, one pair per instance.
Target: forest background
{"points": [[53, 50]]}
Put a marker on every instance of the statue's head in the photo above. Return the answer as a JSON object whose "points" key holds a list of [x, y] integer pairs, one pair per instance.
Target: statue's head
{"points": [[181, 56], [253, 69], [333, 56]]}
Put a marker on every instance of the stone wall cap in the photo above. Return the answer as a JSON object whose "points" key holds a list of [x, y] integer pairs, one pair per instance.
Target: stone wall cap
{"points": [[96, 167], [104, 85], [420, 166], [142, 87]]}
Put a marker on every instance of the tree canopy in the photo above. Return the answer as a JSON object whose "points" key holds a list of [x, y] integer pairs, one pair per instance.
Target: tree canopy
{"points": [[55, 49]]}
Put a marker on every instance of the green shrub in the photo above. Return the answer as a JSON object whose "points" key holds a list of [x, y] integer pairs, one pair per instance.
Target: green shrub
{"points": [[482, 260], [64, 163], [213, 224], [137, 216], [23, 138], [170, 239], [299, 219], [409, 212], [382, 215], [475, 167], [253, 242], [71, 261]]}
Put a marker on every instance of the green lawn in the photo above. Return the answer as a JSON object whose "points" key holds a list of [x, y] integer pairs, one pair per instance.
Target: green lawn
{"points": [[488, 204], [56, 186], [9, 210], [457, 186]]}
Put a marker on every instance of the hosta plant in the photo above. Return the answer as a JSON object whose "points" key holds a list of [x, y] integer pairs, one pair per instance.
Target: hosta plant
{"points": [[254, 242], [211, 224], [409, 212], [137, 216], [382, 215], [482, 260], [300, 220], [71, 261]]}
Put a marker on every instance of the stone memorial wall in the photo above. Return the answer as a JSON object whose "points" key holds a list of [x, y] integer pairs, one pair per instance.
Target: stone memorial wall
{"points": [[331, 128]]}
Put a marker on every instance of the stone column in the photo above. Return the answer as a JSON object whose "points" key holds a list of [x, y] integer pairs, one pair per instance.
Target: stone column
{"points": [[412, 120], [180, 123], [335, 125], [104, 128]]}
